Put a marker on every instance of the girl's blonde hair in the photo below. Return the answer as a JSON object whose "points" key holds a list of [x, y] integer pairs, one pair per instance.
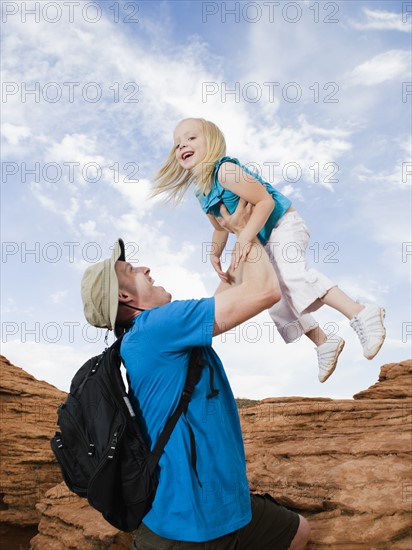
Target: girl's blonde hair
{"points": [[174, 180]]}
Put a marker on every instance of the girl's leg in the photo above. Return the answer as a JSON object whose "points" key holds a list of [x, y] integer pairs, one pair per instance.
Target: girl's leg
{"points": [[328, 348], [292, 326], [309, 289], [317, 336], [365, 319], [286, 249], [288, 244], [340, 301]]}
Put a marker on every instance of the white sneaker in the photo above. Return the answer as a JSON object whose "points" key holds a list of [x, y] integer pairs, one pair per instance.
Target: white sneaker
{"points": [[328, 354], [368, 325]]}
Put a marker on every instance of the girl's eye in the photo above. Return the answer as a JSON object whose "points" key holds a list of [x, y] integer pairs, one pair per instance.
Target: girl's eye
{"points": [[177, 146], [193, 137]]}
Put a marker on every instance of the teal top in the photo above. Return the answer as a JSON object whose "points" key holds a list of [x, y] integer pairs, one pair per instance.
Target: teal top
{"points": [[211, 202]]}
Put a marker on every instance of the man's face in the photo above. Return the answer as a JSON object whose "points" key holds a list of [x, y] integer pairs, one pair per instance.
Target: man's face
{"points": [[136, 286]]}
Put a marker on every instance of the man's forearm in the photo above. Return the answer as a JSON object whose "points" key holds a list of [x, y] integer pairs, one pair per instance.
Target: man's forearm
{"points": [[258, 272], [257, 290]]}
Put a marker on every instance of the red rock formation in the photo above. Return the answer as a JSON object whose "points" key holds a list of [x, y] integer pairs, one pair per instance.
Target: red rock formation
{"points": [[395, 382], [67, 521], [344, 464], [27, 466]]}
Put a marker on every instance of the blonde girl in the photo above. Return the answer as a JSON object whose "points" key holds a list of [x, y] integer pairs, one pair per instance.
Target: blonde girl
{"points": [[198, 159]]}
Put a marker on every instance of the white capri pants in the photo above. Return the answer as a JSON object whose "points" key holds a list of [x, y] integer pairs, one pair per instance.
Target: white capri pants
{"points": [[301, 287]]}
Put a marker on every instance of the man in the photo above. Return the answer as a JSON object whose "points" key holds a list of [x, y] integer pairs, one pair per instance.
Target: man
{"points": [[202, 500]]}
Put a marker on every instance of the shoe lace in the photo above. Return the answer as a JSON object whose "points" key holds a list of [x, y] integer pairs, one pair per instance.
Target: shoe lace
{"points": [[358, 328]]}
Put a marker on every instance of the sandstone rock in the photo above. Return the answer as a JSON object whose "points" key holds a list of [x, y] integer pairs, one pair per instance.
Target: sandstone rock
{"points": [[68, 522], [28, 420], [385, 388], [343, 464]]}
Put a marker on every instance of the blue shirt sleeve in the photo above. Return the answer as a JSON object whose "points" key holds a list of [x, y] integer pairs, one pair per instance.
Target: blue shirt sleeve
{"points": [[179, 325]]}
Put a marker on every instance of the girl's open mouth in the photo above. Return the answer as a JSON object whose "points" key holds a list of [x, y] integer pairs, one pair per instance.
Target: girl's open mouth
{"points": [[187, 154]]}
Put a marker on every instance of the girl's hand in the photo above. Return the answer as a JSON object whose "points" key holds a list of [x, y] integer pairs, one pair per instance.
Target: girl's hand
{"points": [[241, 250], [215, 261]]}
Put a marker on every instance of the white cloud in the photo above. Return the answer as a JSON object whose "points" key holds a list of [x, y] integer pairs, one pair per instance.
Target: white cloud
{"points": [[136, 194], [180, 282], [381, 20], [8, 306], [381, 68], [75, 147], [89, 229], [400, 175], [44, 200], [58, 297], [67, 212], [14, 133], [369, 290], [382, 215]]}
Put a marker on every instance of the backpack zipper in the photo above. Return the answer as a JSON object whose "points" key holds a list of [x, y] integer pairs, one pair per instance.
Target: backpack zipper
{"points": [[114, 442], [67, 418]]}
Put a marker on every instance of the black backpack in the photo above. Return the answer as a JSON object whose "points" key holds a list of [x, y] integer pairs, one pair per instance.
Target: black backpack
{"points": [[100, 449]]}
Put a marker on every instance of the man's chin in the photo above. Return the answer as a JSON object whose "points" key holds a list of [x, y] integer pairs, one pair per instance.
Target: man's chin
{"points": [[167, 297]]}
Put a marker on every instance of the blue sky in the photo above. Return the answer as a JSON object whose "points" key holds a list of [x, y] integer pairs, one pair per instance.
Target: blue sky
{"points": [[315, 95]]}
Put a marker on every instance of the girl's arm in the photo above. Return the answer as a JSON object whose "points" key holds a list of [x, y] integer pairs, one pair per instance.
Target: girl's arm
{"points": [[219, 240], [232, 177]]}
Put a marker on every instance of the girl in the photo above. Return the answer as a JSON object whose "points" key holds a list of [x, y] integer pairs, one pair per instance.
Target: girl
{"points": [[198, 158]]}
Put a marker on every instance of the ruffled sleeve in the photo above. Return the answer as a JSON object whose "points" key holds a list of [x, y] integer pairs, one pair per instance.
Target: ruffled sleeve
{"points": [[211, 201]]}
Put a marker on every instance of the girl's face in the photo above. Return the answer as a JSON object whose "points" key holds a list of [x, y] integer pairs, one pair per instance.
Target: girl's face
{"points": [[190, 143]]}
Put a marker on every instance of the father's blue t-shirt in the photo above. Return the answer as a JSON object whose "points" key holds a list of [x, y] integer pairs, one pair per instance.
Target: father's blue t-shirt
{"points": [[156, 353]]}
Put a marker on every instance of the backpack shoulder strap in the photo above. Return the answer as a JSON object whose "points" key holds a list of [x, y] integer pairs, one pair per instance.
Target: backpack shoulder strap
{"points": [[192, 378]]}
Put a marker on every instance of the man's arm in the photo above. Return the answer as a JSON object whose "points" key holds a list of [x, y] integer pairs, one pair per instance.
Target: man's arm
{"points": [[254, 289]]}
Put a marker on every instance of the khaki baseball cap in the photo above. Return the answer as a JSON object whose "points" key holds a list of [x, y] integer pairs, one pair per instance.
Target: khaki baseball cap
{"points": [[100, 289]]}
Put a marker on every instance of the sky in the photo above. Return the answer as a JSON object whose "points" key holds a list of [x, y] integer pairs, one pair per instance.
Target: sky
{"points": [[315, 96]]}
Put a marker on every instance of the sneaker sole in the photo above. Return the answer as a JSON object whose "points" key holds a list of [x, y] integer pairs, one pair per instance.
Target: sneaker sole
{"points": [[332, 369], [372, 355]]}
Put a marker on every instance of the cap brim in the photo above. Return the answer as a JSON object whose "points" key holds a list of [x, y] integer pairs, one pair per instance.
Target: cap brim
{"points": [[118, 254], [118, 251]]}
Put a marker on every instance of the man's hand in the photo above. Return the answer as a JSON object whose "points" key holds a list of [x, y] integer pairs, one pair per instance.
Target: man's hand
{"points": [[237, 221]]}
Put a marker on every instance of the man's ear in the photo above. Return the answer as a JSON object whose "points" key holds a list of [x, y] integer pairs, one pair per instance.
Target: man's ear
{"points": [[123, 296]]}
